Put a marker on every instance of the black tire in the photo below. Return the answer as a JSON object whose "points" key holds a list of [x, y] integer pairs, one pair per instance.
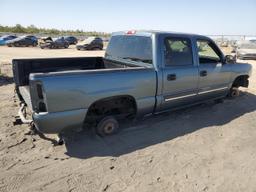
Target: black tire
{"points": [[233, 93], [66, 46], [34, 44], [16, 44], [107, 126]]}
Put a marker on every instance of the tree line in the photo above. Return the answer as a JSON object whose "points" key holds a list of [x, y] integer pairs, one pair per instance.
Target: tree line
{"points": [[32, 29]]}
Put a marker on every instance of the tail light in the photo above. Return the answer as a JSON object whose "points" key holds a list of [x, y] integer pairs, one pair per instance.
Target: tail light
{"points": [[39, 91], [42, 107], [38, 97]]}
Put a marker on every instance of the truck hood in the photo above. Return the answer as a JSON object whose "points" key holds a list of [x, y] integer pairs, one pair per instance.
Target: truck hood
{"points": [[242, 68]]}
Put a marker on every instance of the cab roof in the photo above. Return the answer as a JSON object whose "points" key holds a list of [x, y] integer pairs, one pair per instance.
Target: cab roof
{"points": [[156, 32]]}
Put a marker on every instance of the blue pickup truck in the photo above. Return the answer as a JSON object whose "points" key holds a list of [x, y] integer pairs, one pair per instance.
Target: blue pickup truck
{"points": [[142, 73]]}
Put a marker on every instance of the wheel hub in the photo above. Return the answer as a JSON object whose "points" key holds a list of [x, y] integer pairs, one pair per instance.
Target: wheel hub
{"points": [[109, 127]]}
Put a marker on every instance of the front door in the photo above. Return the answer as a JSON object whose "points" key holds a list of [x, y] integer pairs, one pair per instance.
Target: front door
{"points": [[214, 75], [180, 73]]}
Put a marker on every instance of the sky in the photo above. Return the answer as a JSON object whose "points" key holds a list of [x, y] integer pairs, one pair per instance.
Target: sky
{"points": [[207, 17]]}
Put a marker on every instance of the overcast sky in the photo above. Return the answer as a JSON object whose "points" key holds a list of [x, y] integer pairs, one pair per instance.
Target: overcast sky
{"points": [[229, 17]]}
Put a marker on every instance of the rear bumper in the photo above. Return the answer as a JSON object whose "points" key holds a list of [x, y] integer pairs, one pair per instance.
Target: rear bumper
{"points": [[59, 121]]}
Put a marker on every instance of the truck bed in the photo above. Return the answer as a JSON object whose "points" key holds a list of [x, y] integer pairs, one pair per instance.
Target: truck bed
{"points": [[22, 68]]}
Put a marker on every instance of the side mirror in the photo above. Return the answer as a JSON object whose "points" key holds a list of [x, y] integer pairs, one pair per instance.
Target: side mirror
{"points": [[230, 59]]}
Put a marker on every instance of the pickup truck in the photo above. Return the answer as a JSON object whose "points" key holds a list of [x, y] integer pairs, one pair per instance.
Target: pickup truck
{"points": [[142, 73]]}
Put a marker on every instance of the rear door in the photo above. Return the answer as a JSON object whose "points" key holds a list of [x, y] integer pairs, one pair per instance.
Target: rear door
{"points": [[180, 72], [214, 74]]}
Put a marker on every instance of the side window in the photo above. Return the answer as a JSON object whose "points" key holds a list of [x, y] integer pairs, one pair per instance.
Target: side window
{"points": [[178, 51], [207, 52]]}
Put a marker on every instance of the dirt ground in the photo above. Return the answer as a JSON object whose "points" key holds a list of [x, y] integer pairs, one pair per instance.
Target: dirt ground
{"points": [[210, 147]]}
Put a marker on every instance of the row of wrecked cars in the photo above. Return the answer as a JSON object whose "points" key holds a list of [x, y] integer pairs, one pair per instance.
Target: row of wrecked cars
{"points": [[242, 49], [89, 43], [245, 49]]}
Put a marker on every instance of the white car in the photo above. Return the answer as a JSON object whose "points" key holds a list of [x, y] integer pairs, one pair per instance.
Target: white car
{"points": [[246, 50]]}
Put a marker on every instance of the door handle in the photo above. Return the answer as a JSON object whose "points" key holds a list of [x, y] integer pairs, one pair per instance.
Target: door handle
{"points": [[171, 77], [203, 73]]}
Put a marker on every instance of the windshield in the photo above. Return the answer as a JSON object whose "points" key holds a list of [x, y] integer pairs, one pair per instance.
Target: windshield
{"points": [[88, 40], [4, 37], [248, 46], [7, 37], [132, 48]]}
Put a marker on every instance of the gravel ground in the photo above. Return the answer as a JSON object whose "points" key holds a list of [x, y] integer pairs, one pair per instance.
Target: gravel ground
{"points": [[210, 147]]}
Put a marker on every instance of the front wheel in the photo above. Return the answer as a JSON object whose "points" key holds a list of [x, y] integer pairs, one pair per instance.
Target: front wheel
{"points": [[107, 126]]}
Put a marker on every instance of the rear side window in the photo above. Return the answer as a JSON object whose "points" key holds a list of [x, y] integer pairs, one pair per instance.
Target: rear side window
{"points": [[178, 51], [130, 47]]}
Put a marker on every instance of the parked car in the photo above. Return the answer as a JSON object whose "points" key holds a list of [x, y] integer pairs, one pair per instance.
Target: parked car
{"points": [[142, 73], [23, 41], [246, 50], [54, 43], [6, 38], [32, 37], [43, 40], [91, 43], [71, 40]]}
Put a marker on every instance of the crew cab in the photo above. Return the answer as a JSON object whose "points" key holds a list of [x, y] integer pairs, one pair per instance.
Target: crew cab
{"points": [[142, 73]]}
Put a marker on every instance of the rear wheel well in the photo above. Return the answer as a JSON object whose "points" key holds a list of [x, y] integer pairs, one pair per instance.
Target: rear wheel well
{"points": [[241, 81], [118, 106]]}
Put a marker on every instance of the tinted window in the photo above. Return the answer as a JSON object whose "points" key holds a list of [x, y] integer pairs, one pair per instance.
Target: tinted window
{"points": [[207, 52], [178, 52], [130, 47]]}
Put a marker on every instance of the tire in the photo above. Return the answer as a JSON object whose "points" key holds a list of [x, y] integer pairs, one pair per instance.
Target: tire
{"points": [[234, 93], [16, 44], [34, 44], [107, 126], [66, 46]]}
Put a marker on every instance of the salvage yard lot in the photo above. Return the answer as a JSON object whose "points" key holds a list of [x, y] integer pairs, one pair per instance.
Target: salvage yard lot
{"points": [[209, 147]]}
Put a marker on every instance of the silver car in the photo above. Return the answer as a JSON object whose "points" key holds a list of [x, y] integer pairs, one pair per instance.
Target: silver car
{"points": [[246, 50]]}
